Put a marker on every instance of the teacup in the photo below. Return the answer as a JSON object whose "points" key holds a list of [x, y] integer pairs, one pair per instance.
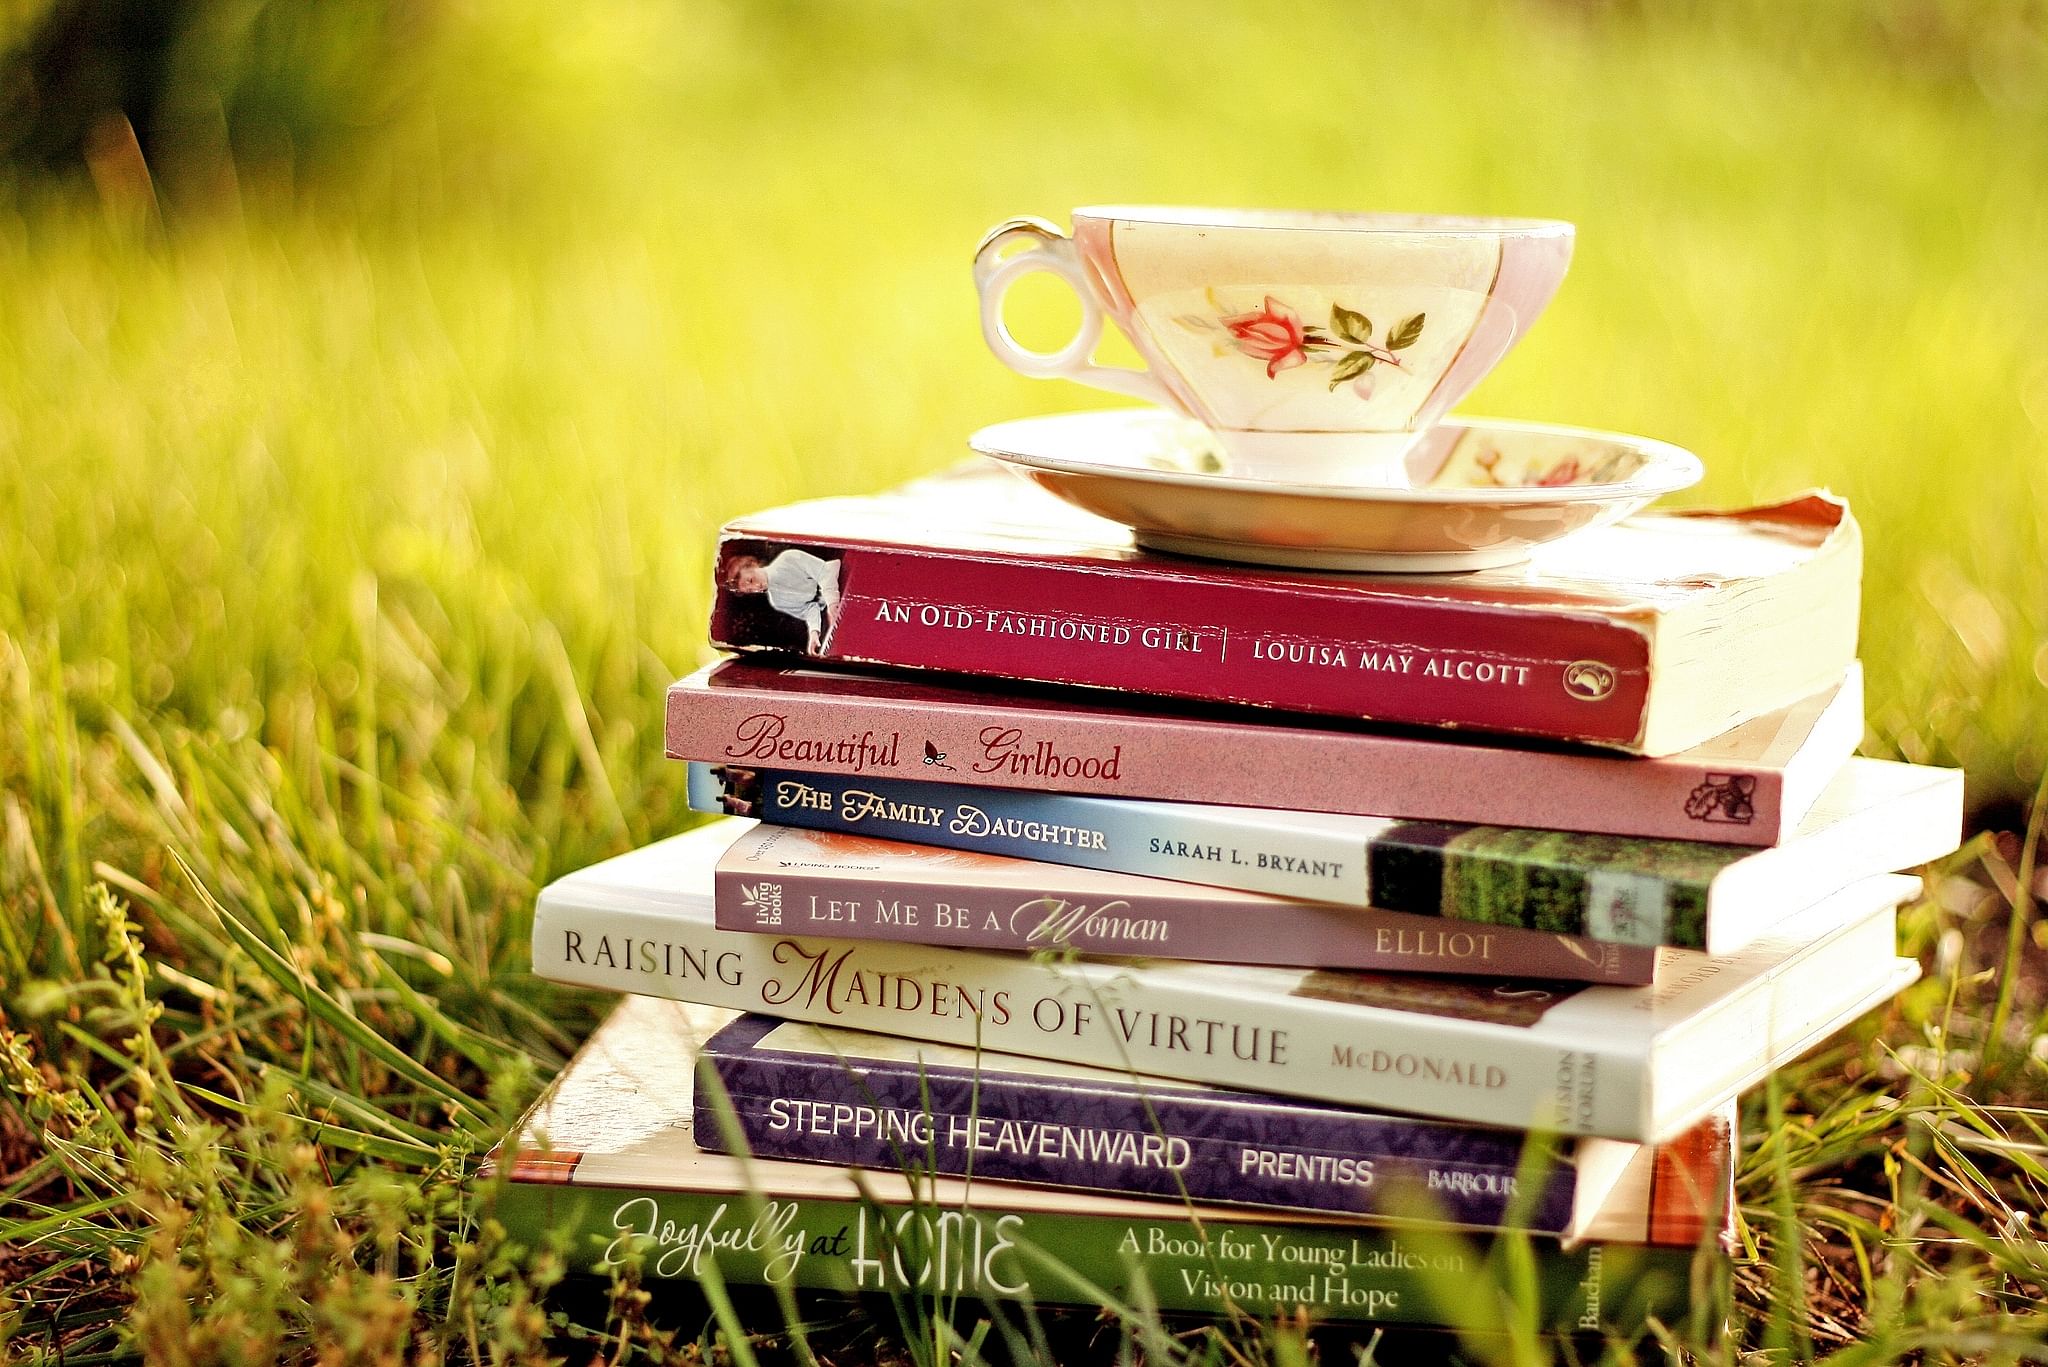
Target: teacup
{"points": [[1318, 347]]}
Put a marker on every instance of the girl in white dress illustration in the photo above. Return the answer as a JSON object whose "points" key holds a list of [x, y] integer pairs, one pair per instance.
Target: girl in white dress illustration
{"points": [[798, 584]]}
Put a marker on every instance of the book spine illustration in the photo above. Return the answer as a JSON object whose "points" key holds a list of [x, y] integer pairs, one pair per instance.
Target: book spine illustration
{"points": [[1121, 1016], [1337, 1272], [1294, 934], [1609, 888], [1275, 639], [1121, 1140], [1243, 762]]}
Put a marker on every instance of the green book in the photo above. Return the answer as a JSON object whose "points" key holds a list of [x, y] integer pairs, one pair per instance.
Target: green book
{"points": [[606, 1166]]}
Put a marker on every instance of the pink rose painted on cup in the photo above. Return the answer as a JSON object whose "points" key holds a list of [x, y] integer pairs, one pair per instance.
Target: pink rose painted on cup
{"points": [[1271, 334]]}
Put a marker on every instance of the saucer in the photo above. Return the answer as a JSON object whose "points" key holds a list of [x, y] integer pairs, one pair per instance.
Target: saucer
{"points": [[1479, 492]]}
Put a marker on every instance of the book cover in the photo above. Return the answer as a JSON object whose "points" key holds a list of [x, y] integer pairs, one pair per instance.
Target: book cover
{"points": [[1651, 635], [823, 1095], [1877, 816], [787, 879], [606, 1164], [1748, 786], [1624, 1062]]}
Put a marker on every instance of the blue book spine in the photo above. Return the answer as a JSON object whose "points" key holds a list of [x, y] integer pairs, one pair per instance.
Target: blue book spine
{"points": [[1317, 858], [1112, 1135]]}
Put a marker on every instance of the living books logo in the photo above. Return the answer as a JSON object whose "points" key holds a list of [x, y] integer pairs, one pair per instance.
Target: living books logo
{"points": [[1727, 799], [1588, 680], [764, 900]]}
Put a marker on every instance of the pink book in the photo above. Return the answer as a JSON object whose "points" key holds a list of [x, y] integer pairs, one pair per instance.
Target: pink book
{"points": [[1649, 636], [1750, 786], [789, 881]]}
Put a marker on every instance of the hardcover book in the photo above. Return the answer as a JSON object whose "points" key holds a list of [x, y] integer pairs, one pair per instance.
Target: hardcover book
{"points": [[1624, 1062], [789, 880], [1650, 636], [822, 1095], [1876, 816], [1749, 786], [606, 1164]]}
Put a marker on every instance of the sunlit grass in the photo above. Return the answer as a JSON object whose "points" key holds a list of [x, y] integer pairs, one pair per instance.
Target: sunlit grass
{"points": [[356, 499]]}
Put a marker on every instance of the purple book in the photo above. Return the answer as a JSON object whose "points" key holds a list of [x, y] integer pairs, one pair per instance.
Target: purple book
{"points": [[825, 1095], [795, 881]]}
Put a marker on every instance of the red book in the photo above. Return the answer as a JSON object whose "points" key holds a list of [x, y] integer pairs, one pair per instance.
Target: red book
{"points": [[1649, 636], [1749, 786]]}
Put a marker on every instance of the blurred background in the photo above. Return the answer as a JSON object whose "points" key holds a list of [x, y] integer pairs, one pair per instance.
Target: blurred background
{"points": [[373, 375]]}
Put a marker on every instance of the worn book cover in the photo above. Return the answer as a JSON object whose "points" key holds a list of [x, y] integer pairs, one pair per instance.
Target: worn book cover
{"points": [[1651, 635], [607, 1166], [824, 1095], [1624, 1062], [1748, 786]]}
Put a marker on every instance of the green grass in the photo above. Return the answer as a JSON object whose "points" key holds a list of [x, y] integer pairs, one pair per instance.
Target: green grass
{"points": [[356, 496]]}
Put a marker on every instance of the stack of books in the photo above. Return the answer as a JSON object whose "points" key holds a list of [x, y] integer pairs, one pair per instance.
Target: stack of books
{"points": [[1118, 929]]}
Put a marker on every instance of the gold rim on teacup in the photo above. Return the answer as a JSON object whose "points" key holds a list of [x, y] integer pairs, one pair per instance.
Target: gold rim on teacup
{"points": [[1304, 340]]}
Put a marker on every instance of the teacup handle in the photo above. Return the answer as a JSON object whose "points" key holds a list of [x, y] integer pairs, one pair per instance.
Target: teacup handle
{"points": [[1052, 251]]}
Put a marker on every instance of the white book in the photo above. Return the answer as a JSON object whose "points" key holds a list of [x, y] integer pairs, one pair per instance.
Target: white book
{"points": [[1637, 1063]]}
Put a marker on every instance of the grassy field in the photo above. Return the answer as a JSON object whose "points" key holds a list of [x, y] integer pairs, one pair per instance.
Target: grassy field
{"points": [[359, 461]]}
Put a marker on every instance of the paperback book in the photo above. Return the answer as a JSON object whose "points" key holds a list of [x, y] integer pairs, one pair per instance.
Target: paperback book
{"points": [[1627, 1063], [606, 1167], [802, 882], [1748, 786], [823, 1095], [1877, 816], [1651, 636]]}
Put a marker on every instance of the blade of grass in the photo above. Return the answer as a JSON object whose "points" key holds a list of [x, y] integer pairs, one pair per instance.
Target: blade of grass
{"points": [[336, 1016]]}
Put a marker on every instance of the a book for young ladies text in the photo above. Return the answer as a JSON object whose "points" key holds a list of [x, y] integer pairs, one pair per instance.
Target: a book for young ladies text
{"points": [[1627, 1063], [1650, 636], [606, 1167], [1748, 786], [818, 1094], [1875, 817]]}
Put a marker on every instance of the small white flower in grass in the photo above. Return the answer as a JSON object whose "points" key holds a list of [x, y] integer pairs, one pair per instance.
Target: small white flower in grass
{"points": [[1948, 954]]}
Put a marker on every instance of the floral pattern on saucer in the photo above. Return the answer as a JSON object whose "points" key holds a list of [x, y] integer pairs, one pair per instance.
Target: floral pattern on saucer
{"points": [[1489, 469]]}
